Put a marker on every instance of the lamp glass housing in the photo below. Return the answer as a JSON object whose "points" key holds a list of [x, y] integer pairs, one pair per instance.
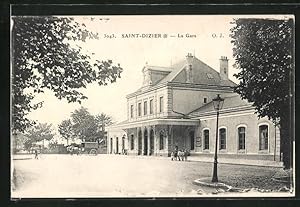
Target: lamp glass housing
{"points": [[218, 103]]}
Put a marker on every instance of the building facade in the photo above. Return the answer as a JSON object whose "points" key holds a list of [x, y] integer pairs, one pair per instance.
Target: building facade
{"points": [[173, 109]]}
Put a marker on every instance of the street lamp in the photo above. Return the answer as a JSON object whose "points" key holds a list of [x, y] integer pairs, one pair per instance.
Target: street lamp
{"points": [[218, 104]]}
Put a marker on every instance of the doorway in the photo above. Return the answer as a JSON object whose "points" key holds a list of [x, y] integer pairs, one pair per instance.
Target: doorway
{"points": [[151, 142], [140, 142], [117, 145], [145, 142]]}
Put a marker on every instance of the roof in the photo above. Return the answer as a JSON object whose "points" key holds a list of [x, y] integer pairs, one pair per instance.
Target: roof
{"points": [[233, 101], [159, 68], [202, 74]]}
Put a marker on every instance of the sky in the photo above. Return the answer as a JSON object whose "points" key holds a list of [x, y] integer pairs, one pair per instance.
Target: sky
{"points": [[210, 40]]}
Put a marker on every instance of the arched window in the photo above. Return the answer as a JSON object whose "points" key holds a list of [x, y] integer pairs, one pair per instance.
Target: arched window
{"points": [[263, 137], [132, 142], [206, 139], [192, 139], [241, 137], [222, 134], [161, 140]]}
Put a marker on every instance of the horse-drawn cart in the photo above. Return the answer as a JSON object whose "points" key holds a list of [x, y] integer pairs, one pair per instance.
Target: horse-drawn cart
{"points": [[90, 148]]}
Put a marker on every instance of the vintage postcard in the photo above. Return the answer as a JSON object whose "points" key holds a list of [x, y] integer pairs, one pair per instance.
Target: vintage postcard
{"points": [[152, 106]]}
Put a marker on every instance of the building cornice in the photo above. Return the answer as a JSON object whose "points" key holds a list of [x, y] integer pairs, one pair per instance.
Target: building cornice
{"points": [[152, 88], [223, 112], [181, 122], [200, 86]]}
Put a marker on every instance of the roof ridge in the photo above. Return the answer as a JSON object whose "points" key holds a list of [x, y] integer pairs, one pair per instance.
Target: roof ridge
{"points": [[157, 66]]}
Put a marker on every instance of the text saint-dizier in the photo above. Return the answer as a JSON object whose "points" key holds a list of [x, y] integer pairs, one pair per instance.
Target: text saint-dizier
{"points": [[137, 35]]}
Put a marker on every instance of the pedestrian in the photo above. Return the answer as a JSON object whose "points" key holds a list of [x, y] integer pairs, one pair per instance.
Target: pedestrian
{"points": [[180, 155], [172, 156], [176, 153], [185, 154], [36, 154]]}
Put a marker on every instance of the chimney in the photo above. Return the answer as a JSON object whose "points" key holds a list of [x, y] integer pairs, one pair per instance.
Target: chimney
{"points": [[224, 68]]}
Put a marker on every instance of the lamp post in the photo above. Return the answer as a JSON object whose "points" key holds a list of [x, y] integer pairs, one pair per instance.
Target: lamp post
{"points": [[218, 104]]}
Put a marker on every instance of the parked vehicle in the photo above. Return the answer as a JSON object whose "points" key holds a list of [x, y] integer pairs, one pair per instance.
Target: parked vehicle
{"points": [[92, 148]]}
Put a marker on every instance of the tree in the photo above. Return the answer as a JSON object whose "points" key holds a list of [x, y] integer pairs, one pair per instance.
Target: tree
{"points": [[84, 125], [103, 120], [65, 128], [263, 52], [40, 132], [18, 141], [46, 55]]}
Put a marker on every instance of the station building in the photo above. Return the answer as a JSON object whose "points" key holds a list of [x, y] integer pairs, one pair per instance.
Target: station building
{"points": [[174, 108]]}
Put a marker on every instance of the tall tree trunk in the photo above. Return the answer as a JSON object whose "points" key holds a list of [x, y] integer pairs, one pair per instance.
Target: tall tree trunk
{"points": [[286, 142]]}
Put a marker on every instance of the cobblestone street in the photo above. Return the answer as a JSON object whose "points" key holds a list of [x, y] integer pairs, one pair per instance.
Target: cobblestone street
{"points": [[117, 175]]}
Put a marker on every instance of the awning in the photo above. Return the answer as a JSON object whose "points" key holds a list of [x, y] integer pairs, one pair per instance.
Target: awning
{"points": [[152, 122]]}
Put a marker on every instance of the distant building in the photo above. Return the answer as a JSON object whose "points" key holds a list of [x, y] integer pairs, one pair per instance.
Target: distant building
{"points": [[174, 108]]}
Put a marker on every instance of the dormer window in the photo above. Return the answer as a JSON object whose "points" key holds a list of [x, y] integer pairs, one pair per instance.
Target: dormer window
{"points": [[209, 76]]}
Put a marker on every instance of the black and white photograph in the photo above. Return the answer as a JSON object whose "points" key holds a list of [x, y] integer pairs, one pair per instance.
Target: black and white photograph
{"points": [[137, 106]]}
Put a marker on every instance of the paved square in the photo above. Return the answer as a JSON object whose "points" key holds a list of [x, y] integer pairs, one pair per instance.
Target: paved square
{"points": [[116, 175]]}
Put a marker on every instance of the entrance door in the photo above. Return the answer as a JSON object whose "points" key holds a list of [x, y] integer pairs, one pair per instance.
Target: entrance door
{"points": [[192, 140], [145, 142], [140, 143], [151, 142]]}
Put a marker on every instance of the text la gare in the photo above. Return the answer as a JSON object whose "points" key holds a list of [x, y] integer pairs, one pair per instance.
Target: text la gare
{"points": [[187, 35]]}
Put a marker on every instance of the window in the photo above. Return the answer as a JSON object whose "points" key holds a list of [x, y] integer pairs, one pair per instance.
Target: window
{"points": [[225, 71], [241, 137], [161, 103], [206, 139], [145, 107], [139, 109], [131, 111], [205, 100], [263, 137], [222, 134], [132, 142], [192, 139], [161, 140], [151, 106]]}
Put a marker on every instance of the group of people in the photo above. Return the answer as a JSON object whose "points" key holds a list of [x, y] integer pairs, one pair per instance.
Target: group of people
{"points": [[180, 155]]}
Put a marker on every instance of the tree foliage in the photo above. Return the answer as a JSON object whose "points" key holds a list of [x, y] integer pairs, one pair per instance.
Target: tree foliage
{"points": [[263, 52], [65, 128], [39, 132], [45, 55], [103, 120], [84, 125]]}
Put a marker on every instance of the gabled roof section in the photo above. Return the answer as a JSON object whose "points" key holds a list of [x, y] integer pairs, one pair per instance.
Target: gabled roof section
{"points": [[201, 74], [233, 101]]}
